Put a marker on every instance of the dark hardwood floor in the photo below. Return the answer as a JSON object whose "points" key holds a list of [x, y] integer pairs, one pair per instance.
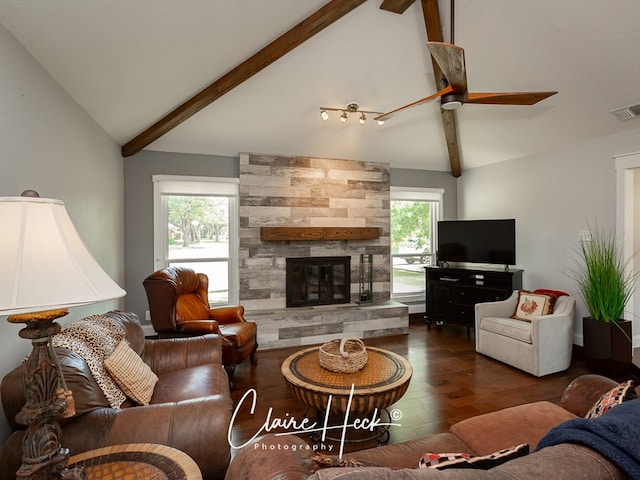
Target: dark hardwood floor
{"points": [[450, 382]]}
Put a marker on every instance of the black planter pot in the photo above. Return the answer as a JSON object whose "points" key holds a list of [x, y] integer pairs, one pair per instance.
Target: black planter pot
{"points": [[607, 349]]}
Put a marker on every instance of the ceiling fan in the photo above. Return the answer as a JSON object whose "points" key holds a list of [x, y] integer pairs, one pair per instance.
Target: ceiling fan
{"points": [[454, 93], [451, 75]]}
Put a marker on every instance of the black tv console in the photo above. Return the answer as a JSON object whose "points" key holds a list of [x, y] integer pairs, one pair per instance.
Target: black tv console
{"points": [[452, 292]]}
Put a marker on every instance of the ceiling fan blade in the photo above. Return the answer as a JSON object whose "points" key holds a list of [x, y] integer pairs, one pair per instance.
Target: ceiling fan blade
{"points": [[450, 58], [444, 91], [505, 98]]}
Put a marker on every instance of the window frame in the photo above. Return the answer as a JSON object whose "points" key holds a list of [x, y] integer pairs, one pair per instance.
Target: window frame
{"points": [[167, 185], [420, 194]]}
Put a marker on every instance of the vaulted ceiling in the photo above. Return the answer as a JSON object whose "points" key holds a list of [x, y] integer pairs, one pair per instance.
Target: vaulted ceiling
{"points": [[130, 63]]}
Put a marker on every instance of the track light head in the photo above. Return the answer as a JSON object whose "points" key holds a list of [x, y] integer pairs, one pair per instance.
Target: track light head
{"points": [[350, 107]]}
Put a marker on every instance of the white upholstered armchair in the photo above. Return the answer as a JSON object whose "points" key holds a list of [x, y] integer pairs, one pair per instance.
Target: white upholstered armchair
{"points": [[540, 346]]}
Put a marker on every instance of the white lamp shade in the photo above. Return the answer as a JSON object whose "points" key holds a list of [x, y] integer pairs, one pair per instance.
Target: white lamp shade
{"points": [[44, 264]]}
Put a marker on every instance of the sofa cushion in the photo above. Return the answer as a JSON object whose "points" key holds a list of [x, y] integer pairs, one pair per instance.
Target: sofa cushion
{"points": [[620, 393], [533, 305], [507, 327], [134, 377], [494, 431]]}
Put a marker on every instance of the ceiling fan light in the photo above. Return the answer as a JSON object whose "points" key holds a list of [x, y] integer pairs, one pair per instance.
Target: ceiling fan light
{"points": [[344, 117], [451, 105], [324, 115], [363, 118], [451, 101], [380, 122]]}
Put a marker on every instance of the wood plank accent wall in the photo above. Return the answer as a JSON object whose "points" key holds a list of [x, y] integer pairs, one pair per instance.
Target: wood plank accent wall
{"points": [[311, 193]]}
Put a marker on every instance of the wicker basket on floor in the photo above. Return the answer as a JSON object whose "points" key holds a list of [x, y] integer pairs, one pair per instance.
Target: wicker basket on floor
{"points": [[343, 356]]}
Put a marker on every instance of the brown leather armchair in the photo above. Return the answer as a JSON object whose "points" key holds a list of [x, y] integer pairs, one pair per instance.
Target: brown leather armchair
{"points": [[190, 409], [179, 307]]}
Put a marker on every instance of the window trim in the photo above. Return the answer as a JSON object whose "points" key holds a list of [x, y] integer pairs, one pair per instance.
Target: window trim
{"points": [[164, 185]]}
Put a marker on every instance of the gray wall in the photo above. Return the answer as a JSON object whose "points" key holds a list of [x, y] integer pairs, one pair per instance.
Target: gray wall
{"points": [[138, 219], [51, 145], [138, 194], [429, 179], [552, 196]]}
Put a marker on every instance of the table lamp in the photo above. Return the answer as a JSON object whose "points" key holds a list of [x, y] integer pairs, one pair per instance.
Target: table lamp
{"points": [[46, 268]]}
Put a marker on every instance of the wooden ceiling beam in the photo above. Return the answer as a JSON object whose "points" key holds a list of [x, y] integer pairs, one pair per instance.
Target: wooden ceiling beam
{"points": [[432, 22], [322, 18], [396, 6]]}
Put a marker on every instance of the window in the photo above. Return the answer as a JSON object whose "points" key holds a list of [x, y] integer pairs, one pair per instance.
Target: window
{"points": [[195, 226], [414, 218]]}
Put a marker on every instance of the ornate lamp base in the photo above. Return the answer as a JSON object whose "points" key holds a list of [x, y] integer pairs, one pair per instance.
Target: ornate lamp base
{"points": [[43, 456]]}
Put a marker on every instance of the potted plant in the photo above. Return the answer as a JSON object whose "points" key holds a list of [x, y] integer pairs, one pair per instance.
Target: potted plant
{"points": [[605, 283]]}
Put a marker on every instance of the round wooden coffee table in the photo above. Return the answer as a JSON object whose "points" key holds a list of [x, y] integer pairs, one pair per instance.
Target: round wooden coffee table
{"points": [[136, 461], [382, 382]]}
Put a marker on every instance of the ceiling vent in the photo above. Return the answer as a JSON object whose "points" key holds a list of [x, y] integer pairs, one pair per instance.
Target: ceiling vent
{"points": [[628, 112]]}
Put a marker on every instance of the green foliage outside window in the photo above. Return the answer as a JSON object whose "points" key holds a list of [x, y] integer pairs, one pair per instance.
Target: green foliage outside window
{"points": [[410, 226], [198, 217]]}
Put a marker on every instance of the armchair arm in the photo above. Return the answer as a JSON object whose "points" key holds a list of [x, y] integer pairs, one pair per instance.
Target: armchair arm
{"points": [[170, 354], [502, 308], [223, 315], [553, 335], [257, 459], [584, 391], [198, 327], [197, 427]]}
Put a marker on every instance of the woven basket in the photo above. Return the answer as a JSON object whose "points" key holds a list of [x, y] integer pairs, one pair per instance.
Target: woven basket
{"points": [[343, 356]]}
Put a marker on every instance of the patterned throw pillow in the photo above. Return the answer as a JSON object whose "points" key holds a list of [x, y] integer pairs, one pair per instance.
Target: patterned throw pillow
{"points": [[533, 305], [623, 392], [443, 461], [134, 377]]}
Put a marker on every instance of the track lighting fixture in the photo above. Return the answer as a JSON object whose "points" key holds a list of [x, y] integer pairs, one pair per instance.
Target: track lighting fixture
{"points": [[350, 107]]}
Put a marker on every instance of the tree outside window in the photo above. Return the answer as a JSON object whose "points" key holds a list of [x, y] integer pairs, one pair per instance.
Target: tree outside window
{"points": [[198, 238], [412, 244]]}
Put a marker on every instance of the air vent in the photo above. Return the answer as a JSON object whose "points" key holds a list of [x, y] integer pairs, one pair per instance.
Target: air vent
{"points": [[628, 112]]}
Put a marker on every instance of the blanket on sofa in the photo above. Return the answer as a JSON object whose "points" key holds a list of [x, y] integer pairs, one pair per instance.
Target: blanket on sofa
{"points": [[615, 435], [94, 338]]}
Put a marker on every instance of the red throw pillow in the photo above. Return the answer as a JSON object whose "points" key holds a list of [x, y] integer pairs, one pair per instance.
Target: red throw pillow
{"points": [[547, 291]]}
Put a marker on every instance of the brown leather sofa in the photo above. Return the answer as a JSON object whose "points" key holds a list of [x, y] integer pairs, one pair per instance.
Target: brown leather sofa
{"points": [[179, 306], [289, 458], [190, 409]]}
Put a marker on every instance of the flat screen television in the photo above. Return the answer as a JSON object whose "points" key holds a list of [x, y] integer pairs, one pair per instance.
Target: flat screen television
{"points": [[477, 241]]}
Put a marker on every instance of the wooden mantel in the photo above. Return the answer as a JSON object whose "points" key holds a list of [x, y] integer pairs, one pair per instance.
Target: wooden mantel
{"points": [[319, 233]]}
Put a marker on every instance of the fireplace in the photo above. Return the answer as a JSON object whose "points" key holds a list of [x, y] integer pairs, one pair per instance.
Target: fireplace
{"points": [[318, 281]]}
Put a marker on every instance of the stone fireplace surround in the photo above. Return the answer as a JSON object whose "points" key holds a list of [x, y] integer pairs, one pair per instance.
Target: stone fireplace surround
{"points": [[285, 191]]}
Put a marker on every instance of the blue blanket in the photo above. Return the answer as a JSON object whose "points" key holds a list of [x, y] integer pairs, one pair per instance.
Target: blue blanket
{"points": [[615, 435]]}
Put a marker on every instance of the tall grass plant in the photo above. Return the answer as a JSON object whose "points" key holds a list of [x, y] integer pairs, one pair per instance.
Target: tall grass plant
{"points": [[605, 278]]}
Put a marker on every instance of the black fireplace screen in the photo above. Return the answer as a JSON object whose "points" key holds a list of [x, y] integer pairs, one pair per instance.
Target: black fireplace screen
{"points": [[318, 281]]}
